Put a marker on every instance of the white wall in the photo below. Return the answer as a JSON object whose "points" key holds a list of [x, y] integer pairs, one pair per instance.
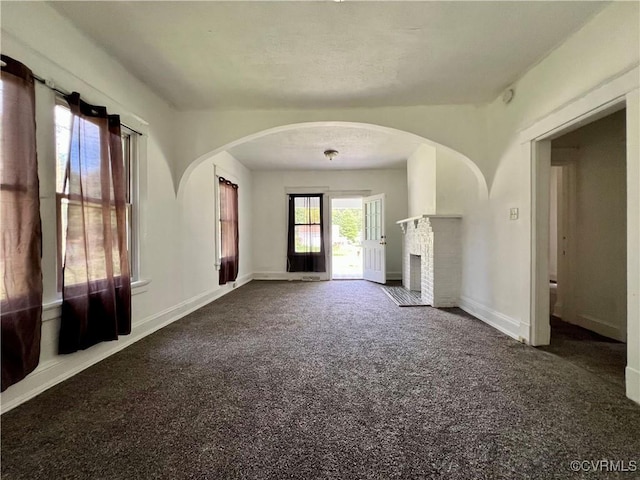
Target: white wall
{"points": [[270, 211], [499, 291], [595, 287], [598, 63], [198, 203], [421, 181], [458, 189]]}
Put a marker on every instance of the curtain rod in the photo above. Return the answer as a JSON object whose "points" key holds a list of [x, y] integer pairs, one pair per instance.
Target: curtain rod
{"points": [[50, 85]]}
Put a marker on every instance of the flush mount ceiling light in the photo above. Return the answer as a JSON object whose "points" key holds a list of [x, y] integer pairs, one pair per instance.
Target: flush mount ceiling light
{"points": [[330, 154]]}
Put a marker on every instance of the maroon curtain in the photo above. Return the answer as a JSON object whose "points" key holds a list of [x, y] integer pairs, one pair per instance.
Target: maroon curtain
{"points": [[96, 292], [228, 231], [21, 288], [305, 241]]}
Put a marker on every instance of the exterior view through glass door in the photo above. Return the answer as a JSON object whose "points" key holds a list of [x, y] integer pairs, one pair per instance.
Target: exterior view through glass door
{"points": [[374, 244], [346, 238]]}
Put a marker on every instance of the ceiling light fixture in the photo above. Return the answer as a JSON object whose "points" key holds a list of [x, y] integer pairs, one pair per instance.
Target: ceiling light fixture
{"points": [[330, 154]]}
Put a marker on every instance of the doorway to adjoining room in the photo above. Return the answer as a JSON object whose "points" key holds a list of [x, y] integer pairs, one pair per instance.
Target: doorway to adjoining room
{"points": [[588, 247], [346, 238]]}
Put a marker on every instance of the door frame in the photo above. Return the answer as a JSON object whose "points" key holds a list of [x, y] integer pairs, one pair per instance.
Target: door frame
{"points": [[330, 196], [540, 203], [620, 92]]}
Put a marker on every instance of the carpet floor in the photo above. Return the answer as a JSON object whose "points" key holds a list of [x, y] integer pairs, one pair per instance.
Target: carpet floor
{"points": [[322, 380], [602, 356]]}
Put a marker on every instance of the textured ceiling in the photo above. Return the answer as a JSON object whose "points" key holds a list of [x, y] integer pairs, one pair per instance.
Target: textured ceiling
{"points": [[201, 55], [302, 149]]}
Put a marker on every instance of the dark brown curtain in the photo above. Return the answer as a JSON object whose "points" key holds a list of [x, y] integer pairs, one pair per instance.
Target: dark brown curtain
{"points": [[305, 246], [229, 239], [21, 288], [96, 292]]}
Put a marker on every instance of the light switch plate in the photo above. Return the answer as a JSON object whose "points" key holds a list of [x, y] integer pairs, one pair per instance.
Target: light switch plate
{"points": [[514, 214]]}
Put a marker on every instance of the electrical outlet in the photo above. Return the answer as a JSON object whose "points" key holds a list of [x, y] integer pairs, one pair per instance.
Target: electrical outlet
{"points": [[514, 214]]}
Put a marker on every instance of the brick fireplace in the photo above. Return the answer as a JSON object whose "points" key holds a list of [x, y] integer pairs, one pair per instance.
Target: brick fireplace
{"points": [[431, 260]]}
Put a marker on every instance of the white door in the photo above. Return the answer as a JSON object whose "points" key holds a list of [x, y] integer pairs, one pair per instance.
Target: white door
{"points": [[374, 244]]}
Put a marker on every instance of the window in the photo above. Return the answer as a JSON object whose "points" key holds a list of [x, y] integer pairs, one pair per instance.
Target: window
{"points": [[306, 251], [63, 119], [307, 227], [228, 243], [21, 287]]}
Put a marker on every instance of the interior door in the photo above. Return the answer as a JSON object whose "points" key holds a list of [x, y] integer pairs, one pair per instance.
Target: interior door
{"points": [[374, 244]]}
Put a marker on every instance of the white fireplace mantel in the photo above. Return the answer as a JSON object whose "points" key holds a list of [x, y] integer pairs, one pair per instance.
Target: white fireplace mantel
{"points": [[405, 221], [432, 258]]}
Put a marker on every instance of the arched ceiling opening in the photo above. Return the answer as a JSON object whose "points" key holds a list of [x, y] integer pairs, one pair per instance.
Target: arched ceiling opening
{"points": [[301, 146]]}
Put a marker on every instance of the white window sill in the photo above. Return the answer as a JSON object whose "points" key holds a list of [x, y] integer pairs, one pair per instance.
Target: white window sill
{"points": [[140, 286], [51, 310]]}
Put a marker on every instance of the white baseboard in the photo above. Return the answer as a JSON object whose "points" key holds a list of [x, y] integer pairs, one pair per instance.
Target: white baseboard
{"points": [[311, 276], [303, 275], [394, 275], [497, 320], [557, 310], [633, 383], [62, 367], [599, 326]]}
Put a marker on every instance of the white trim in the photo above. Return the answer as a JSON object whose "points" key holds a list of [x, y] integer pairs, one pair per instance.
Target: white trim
{"points": [[599, 326], [296, 276], [633, 383], [540, 171], [394, 275], [140, 286], [348, 193], [507, 325], [291, 276], [605, 95], [305, 190], [221, 172], [426, 215], [633, 240], [56, 370], [51, 310], [216, 219]]}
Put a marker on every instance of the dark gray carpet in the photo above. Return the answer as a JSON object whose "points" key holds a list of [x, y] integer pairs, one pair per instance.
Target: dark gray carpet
{"points": [[403, 297], [322, 380], [604, 357]]}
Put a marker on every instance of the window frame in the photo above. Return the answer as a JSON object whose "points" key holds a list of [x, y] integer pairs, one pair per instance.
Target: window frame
{"points": [[303, 262], [131, 155], [319, 224], [132, 169]]}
